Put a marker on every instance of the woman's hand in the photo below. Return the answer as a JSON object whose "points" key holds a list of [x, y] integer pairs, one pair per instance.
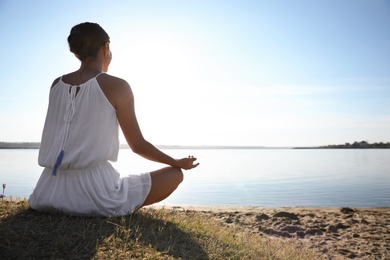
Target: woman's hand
{"points": [[187, 163]]}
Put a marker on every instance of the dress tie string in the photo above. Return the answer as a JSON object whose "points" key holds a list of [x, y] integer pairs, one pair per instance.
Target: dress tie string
{"points": [[69, 114], [71, 104]]}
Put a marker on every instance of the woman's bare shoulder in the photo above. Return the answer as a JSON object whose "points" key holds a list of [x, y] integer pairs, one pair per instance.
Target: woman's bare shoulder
{"points": [[109, 81], [114, 88], [55, 82]]}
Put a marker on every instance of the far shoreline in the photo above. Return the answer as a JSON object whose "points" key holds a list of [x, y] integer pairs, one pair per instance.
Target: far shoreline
{"points": [[36, 145]]}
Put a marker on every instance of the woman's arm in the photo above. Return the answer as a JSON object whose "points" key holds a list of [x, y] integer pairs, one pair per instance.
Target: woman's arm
{"points": [[124, 104]]}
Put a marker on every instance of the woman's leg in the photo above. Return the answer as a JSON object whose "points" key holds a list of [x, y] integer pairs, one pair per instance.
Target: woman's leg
{"points": [[164, 182]]}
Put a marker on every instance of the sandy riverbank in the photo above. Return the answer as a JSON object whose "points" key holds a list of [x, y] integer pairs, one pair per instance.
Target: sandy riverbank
{"points": [[360, 233], [355, 233]]}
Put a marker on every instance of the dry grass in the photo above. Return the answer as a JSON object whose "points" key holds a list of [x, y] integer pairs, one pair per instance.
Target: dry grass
{"points": [[147, 234]]}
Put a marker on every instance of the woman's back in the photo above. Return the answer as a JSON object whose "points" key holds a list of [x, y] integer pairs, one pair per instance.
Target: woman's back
{"points": [[82, 123]]}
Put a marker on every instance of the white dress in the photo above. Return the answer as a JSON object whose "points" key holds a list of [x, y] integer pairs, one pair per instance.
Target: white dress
{"points": [[80, 136]]}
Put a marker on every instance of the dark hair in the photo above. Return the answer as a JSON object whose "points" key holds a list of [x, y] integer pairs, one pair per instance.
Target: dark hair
{"points": [[86, 39]]}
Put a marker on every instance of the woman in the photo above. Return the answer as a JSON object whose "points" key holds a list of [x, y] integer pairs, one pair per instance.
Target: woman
{"points": [[80, 136]]}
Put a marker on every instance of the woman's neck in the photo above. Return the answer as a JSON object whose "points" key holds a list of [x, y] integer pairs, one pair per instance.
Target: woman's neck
{"points": [[89, 68]]}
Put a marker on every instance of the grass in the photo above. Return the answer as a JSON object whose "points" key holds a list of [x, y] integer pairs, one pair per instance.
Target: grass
{"points": [[147, 234]]}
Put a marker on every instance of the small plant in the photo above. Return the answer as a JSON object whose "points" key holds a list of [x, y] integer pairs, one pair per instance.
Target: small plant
{"points": [[2, 195]]}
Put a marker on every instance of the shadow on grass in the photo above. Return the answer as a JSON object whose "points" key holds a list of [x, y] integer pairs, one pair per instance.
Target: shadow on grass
{"points": [[29, 234]]}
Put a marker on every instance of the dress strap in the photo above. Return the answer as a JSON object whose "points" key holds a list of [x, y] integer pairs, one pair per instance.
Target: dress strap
{"points": [[99, 74]]}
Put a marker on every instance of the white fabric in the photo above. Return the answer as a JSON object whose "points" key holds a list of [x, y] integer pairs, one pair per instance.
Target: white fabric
{"points": [[82, 123]]}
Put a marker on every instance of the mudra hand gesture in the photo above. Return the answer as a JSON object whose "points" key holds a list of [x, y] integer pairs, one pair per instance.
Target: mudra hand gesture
{"points": [[187, 163]]}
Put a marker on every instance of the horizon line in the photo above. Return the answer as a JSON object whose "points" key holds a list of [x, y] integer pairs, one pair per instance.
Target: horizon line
{"points": [[35, 145]]}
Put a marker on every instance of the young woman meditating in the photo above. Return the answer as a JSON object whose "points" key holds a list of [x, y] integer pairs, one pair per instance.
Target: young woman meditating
{"points": [[80, 137]]}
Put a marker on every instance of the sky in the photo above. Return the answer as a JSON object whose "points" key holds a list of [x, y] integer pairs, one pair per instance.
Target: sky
{"points": [[257, 73]]}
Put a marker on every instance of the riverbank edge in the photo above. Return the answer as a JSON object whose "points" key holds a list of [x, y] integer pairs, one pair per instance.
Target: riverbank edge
{"points": [[356, 232]]}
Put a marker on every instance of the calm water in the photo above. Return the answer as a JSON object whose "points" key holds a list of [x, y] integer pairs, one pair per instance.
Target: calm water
{"points": [[270, 177]]}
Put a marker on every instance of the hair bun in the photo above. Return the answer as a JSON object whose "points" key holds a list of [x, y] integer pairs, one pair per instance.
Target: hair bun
{"points": [[76, 44], [86, 39]]}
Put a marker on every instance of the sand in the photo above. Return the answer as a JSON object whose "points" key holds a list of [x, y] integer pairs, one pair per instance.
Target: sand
{"points": [[354, 233]]}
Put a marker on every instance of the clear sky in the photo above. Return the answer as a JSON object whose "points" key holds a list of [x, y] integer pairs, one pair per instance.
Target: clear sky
{"points": [[272, 73]]}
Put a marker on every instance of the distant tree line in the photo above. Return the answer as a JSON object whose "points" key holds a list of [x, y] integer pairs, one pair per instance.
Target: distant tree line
{"points": [[24, 145], [362, 144]]}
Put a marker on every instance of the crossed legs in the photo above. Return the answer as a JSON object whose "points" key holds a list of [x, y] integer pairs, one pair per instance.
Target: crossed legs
{"points": [[164, 182]]}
